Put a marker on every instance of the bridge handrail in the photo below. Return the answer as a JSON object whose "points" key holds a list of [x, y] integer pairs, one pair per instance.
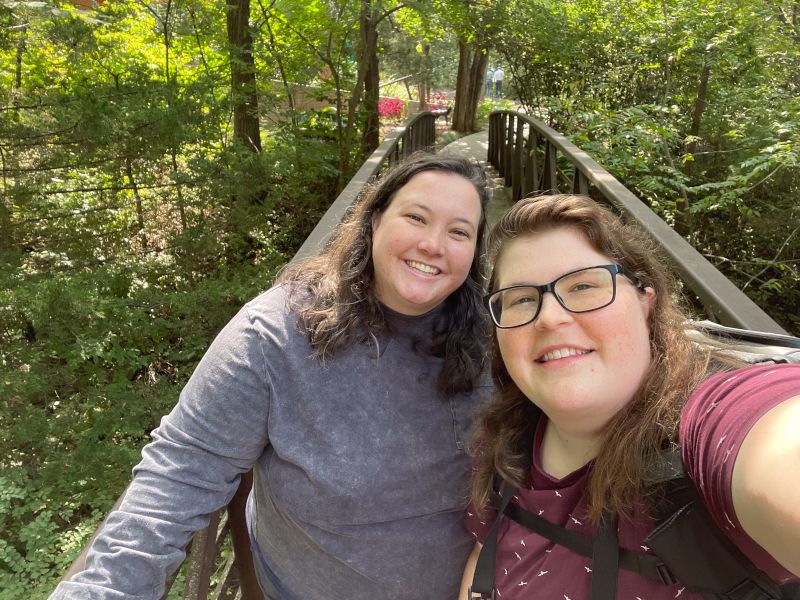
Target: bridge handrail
{"points": [[417, 133], [512, 151]]}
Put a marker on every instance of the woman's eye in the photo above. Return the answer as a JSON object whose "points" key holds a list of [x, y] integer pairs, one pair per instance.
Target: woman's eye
{"points": [[582, 287], [522, 300], [460, 233], [416, 218]]}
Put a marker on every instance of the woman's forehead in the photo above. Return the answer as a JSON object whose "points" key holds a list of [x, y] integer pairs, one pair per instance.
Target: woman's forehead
{"points": [[542, 256]]}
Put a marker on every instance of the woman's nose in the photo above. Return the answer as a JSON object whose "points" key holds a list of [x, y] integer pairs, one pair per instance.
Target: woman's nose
{"points": [[551, 313], [431, 242]]}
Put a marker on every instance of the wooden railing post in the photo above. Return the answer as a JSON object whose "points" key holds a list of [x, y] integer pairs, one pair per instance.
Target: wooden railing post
{"points": [[549, 183], [531, 168], [508, 149], [580, 185], [202, 553], [519, 158], [243, 555]]}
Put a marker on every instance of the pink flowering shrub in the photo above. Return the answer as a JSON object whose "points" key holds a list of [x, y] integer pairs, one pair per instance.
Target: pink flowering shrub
{"points": [[437, 101], [391, 108]]}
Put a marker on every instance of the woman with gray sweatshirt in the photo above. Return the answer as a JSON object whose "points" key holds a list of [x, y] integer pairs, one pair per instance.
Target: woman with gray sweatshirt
{"points": [[349, 389]]}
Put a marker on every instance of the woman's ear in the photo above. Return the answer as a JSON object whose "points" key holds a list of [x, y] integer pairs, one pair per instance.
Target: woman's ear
{"points": [[648, 299]]}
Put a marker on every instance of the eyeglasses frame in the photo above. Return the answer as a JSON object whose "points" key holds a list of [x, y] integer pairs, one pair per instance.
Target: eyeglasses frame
{"points": [[615, 269]]}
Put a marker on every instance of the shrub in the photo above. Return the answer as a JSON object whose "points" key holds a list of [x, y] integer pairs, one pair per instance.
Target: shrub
{"points": [[391, 108]]}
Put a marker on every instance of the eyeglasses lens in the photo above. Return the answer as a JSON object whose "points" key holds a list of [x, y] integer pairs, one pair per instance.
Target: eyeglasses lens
{"points": [[582, 291]]}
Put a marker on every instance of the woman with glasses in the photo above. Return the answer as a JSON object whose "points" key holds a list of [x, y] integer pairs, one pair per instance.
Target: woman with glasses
{"points": [[596, 381]]}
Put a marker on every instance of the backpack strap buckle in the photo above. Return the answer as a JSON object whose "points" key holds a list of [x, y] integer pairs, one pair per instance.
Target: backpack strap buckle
{"points": [[480, 595], [665, 575]]}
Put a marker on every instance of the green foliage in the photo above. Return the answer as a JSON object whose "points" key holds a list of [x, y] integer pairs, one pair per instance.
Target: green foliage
{"points": [[90, 362], [489, 105], [132, 227], [624, 81], [632, 143]]}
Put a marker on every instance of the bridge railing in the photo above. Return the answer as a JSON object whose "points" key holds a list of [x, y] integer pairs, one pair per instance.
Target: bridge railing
{"points": [[526, 153], [237, 573]]}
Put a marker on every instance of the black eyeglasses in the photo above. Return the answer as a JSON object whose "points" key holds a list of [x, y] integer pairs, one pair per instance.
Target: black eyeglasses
{"points": [[578, 291]]}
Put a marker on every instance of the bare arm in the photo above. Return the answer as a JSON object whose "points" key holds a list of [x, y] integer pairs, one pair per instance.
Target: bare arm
{"points": [[469, 571], [766, 483]]}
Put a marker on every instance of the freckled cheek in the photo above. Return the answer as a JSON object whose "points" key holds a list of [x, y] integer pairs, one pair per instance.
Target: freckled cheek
{"points": [[514, 347]]}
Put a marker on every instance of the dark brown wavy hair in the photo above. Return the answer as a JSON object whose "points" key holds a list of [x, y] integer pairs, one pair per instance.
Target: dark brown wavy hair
{"points": [[333, 292], [634, 438]]}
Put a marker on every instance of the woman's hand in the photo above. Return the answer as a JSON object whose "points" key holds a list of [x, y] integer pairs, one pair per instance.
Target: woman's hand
{"points": [[469, 572]]}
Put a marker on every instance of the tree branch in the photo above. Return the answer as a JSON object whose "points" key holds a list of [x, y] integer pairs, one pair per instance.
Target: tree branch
{"points": [[775, 258]]}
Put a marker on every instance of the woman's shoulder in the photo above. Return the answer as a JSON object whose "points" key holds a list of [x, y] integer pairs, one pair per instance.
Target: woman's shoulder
{"points": [[761, 381], [733, 401], [274, 310]]}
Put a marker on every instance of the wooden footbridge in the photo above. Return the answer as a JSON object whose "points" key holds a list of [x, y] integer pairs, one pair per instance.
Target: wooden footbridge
{"points": [[524, 157]]}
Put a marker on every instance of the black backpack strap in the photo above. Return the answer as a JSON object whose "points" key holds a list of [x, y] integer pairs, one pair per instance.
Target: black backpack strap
{"points": [[791, 591], [701, 556], [605, 559], [646, 565], [604, 550], [483, 578], [694, 550]]}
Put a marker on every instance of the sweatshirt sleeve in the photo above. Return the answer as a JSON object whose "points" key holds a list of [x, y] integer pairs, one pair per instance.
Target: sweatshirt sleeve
{"points": [[714, 424], [191, 468]]}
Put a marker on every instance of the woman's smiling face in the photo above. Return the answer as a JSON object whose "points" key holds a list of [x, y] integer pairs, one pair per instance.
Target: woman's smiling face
{"points": [[579, 368], [424, 242]]}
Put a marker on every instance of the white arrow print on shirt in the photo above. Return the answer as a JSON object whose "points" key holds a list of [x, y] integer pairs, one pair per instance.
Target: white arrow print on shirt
{"points": [[727, 455], [542, 573], [729, 520]]}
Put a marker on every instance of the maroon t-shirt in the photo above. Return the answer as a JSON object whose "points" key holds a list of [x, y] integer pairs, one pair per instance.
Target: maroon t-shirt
{"points": [[530, 567]]}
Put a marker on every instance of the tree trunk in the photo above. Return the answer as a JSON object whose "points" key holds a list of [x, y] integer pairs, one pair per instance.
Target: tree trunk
{"points": [[276, 53], [139, 206], [243, 76], [424, 76], [5, 213], [469, 86], [18, 58], [178, 190], [682, 216], [369, 39], [5, 226]]}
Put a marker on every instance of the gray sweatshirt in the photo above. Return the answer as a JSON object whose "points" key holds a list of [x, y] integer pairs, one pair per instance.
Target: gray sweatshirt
{"points": [[360, 470]]}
